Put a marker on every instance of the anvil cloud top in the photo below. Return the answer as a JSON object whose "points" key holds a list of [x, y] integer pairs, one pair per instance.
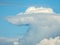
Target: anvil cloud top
{"points": [[43, 22], [39, 10]]}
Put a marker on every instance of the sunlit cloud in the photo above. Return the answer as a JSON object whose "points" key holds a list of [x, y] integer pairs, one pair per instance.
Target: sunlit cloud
{"points": [[39, 10], [50, 41], [30, 10], [44, 22]]}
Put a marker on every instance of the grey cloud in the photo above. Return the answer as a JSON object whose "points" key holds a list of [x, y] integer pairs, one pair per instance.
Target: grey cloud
{"points": [[9, 41]]}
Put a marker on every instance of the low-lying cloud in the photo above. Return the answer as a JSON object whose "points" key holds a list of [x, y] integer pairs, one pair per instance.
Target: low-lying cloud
{"points": [[43, 22], [9, 41], [16, 41], [50, 41]]}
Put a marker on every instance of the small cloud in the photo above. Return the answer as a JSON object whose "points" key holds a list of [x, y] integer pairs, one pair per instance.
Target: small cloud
{"points": [[51, 41], [8, 39], [8, 4], [14, 41]]}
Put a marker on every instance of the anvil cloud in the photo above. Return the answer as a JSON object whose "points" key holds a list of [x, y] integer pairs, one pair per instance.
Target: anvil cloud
{"points": [[43, 22]]}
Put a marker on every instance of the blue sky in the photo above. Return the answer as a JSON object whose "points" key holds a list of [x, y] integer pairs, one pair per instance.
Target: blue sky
{"points": [[13, 7]]}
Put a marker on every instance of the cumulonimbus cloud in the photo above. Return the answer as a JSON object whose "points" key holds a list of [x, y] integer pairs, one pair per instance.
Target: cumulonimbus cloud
{"points": [[43, 21], [29, 10]]}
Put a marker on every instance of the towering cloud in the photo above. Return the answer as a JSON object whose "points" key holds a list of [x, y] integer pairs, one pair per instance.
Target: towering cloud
{"points": [[43, 22]]}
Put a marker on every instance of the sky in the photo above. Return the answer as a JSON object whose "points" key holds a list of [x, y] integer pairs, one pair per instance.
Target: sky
{"points": [[13, 7]]}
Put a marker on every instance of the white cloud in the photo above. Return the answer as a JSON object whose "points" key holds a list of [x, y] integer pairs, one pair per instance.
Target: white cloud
{"points": [[16, 43], [43, 21], [39, 10], [30, 10], [51, 41]]}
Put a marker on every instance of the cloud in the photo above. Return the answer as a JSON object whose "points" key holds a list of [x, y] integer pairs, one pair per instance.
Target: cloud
{"points": [[39, 10], [50, 41], [30, 10], [9, 4], [5, 3], [16, 19], [44, 23], [16, 43], [8, 41]]}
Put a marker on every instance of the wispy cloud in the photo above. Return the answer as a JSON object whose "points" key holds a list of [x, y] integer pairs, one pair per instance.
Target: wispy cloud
{"points": [[15, 41], [5, 3], [9, 41], [9, 4], [12, 4]]}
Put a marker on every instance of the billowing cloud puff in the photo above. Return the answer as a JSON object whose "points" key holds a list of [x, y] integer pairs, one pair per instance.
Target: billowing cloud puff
{"points": [[37, 10], [50, 41], [43, 22]]}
